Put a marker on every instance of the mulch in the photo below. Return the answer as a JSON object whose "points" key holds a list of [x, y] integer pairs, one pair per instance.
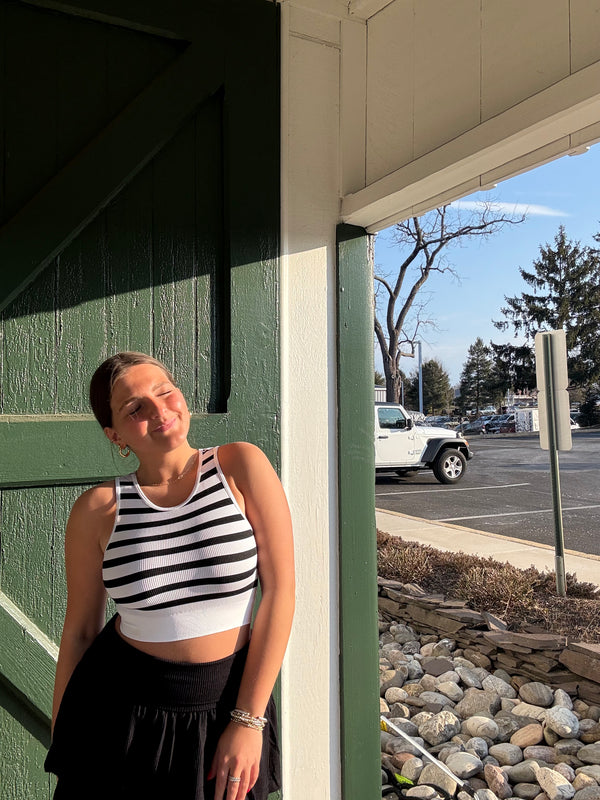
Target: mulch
{"points": [[525, 599]]}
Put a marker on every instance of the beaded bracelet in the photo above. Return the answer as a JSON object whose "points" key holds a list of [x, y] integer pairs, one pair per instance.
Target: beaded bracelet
{"points": [[246, 719]]}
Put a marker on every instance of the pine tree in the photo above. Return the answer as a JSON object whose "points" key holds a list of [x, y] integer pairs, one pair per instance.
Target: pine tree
{"points": [[476, 380], [513, 367], [437, 393], [566, 294]]}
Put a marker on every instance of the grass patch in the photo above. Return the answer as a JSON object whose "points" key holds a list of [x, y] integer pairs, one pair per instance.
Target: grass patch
{"points": [[525, 599]]}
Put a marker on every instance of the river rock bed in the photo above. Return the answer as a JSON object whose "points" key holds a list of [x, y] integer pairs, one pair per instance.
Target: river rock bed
{"points": [[509, 736]]}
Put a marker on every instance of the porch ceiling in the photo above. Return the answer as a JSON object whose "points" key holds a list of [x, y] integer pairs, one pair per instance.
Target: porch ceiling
{"points": [[438, 100]]}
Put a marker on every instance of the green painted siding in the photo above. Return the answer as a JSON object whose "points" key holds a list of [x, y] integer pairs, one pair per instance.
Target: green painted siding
{"points": [[359, 672], [141, 154]]}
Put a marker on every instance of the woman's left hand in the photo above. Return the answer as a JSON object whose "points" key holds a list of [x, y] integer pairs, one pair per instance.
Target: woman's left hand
{"points": [[237, 756]]}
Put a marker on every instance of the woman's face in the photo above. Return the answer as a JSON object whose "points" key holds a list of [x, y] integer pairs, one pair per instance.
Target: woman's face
{"points": [[149, 413]]}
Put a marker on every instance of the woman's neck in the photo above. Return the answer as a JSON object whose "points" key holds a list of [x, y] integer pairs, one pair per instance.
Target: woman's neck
{"points": [[169, 470]]}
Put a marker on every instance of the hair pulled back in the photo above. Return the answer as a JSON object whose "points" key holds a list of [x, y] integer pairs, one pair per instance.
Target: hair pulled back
{"points": [[108, 373]]}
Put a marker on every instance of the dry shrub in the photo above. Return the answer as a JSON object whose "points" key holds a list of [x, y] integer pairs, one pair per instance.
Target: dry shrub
{"points": [[521, 597]]}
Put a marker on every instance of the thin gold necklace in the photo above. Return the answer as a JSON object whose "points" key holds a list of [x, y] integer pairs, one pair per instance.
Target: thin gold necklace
{"points": [[172, 480]]}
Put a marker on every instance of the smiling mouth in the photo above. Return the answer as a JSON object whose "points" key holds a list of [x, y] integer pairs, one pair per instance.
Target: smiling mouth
{"points": [[165, 426]]}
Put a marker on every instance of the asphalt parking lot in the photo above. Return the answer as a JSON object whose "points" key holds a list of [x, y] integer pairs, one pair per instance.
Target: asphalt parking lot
{"points": [[507, 490]]}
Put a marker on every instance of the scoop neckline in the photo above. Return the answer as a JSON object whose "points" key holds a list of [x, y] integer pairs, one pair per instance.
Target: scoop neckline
{"points": [[149, 502]]}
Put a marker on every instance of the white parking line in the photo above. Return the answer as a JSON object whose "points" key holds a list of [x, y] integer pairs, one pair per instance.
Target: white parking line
{"points": [[512, 514], [465, 489]]}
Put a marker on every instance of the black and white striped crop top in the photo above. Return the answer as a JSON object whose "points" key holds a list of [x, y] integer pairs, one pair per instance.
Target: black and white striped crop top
{"points": [[180, 572]]}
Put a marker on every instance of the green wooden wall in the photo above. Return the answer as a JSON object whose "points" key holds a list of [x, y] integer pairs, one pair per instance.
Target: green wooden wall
{"points": [[359, 647], [139, 209]]}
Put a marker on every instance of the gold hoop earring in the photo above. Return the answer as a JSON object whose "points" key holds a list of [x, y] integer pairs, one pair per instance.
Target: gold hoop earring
{"points": [[124, 451]]}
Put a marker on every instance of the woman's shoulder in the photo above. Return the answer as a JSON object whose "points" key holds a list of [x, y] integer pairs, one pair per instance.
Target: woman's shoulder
{"points": [[242, 454], [244, 462], [99, 500]]}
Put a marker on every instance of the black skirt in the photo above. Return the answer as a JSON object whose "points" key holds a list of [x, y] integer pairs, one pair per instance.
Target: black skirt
{"points": [[132, 725]]}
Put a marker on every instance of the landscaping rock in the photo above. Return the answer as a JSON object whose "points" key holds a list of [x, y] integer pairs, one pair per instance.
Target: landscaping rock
{"points": [[395, 694], [478, 746], [434, 776], [593, 771], [506, 754], [494, 684], [554, 784], [451, 689], [468, 677], [528, 791], [590, 734], [464, 765], [528, 736], [562, 721], [480, 727], [562, 699], [566, 771], [529, 710], [412, 769], [497, 781], [508, 735], [590, 754], [440, 728], [537, 694], [424, 792], [523, 772], [477, 700], [540, 753], [588, 793], [581, 781], [567, 747]]}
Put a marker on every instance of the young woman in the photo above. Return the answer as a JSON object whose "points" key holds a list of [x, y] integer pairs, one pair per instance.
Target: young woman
{"points": [[172, 697]]}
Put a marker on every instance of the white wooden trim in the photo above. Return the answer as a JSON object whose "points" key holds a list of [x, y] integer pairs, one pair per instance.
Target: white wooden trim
{"points": [[310, 701], [559, 111]]}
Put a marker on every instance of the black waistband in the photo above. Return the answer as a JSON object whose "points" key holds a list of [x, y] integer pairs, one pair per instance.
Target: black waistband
{"points": [[145, 679]]}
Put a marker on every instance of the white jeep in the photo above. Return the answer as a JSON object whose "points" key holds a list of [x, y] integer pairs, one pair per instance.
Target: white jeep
{"points": [[403, 447]]}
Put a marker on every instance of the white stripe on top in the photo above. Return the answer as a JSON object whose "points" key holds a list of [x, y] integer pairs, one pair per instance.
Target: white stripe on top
{"points": [[180, 572]]}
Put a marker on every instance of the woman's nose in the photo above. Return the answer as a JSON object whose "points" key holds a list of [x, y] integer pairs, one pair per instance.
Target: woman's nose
{"points": [[155, 407]]}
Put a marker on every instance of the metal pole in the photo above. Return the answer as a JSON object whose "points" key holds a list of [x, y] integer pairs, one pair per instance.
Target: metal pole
{"points": [[559, 540], [420, 379]]}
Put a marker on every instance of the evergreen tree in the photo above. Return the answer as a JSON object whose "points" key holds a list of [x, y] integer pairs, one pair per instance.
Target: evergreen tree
{"points": [[513, 368], [476, 380], [566, 294], [437, 393]]}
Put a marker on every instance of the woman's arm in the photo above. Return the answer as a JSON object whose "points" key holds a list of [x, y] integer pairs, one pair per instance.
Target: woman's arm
{"points": [[89, 521], [266, 508]]}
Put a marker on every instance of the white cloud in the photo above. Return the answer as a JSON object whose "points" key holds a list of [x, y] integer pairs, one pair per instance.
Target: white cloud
{"points": [[531, 210]]}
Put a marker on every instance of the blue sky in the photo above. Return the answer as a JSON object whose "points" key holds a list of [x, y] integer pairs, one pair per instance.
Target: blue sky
{"points": [[563, 192]]}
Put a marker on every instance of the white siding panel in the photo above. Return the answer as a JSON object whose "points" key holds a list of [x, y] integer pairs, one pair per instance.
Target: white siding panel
{"points": [[446, 72], [585, 33], [353, 105], [311, 25], [390, 79], [310, 210], [525, 49]]}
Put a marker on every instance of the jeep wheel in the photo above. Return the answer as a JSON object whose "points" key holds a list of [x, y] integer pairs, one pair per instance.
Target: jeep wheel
{"points": [[449, 466]]}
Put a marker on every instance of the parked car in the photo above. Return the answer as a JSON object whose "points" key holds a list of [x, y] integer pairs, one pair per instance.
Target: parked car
{"points": [[509, 425], [500, 421], [403, 447], [477, 426]]}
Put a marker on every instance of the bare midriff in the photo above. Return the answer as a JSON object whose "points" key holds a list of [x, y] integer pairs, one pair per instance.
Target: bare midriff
{"points": [[197, 650]]}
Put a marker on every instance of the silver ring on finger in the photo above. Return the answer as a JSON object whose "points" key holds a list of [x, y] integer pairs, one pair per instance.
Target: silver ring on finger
{"points": [[231, 779]]}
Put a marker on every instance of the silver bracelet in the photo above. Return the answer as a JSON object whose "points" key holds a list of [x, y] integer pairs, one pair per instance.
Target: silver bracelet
{"points": [[246, 719]]}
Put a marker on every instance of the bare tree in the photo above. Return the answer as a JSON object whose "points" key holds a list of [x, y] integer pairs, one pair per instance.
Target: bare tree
{"points": [[421, 241]]}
